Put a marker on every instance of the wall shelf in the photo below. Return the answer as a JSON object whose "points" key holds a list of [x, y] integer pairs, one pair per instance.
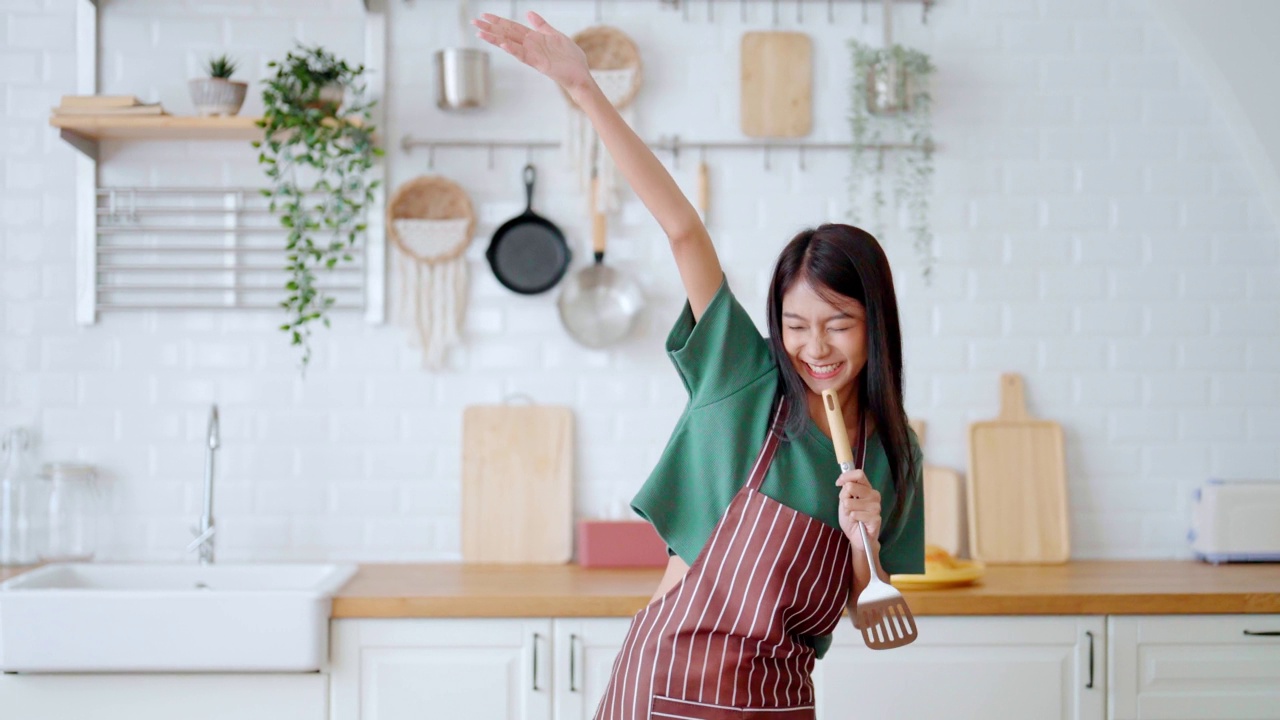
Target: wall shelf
{"points": [[93, 128]]}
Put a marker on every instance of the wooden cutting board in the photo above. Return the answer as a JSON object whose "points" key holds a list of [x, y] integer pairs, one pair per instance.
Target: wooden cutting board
{"points": [[943, 508], [1017, 485], [517, 484], [777, 84], [943, 501]]}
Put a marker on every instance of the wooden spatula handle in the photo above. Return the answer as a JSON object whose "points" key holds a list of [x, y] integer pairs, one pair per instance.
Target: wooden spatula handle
{"points": [[839, 435]]}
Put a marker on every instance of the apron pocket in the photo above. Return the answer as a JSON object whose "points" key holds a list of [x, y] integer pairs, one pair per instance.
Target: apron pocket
{"points": [[665, 708]]}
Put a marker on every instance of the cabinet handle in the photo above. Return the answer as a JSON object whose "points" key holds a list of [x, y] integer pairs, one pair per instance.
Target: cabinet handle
{"points": [[1089, 685], [537, 642], [1262, 633], [573, 663]]}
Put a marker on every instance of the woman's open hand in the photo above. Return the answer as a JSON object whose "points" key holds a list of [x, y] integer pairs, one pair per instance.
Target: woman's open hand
{"points": [[859, 502], [541, 47]]}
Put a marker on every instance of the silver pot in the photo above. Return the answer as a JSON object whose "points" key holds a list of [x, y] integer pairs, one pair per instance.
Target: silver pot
{"points": [[462, 79]]}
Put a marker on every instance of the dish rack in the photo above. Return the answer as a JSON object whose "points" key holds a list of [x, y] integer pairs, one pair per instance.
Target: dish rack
{"points": [[169, 248]]}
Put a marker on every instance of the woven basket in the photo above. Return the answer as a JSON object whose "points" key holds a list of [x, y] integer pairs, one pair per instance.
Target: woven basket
{"points": [[608, 48], [429, 197]]}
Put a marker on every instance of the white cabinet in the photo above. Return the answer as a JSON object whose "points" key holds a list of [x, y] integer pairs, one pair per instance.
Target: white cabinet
{"points": [[109, 696], [969, 667], [1215, 667], [496, 669]]}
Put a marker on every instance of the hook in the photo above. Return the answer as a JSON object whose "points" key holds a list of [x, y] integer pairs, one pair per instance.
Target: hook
{"points": [[801, 156], [711, 15], [800, 12], [742, 10], [775, 12], [431, 156], [675, 152], [684, 9], [512, 15], [702, 153], [864, 12], [924, 11], [598, 12], [831, 12], [490, 156], [528, 154], [767, 164]]}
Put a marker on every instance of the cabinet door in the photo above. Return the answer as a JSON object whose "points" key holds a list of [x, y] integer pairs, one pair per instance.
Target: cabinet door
{"points": [[1176, 667], [404, 669], [585, 650], [969, 667]]}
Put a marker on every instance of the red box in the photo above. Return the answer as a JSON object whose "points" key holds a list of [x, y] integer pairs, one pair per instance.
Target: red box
{"points": [[620, 543]]}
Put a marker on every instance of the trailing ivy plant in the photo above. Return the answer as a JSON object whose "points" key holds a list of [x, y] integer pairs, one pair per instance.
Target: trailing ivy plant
{"points": [[911, 168], [317, 150]]}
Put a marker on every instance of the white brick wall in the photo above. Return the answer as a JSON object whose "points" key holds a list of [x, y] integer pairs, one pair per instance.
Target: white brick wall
{"points": [[1097, 232]]}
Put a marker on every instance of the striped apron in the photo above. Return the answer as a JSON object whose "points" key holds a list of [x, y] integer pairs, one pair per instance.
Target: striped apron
{"points": [[724, 642]]}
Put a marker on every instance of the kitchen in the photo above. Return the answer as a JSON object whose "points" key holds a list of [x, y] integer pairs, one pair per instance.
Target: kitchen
{"points": [[1100, 215]]}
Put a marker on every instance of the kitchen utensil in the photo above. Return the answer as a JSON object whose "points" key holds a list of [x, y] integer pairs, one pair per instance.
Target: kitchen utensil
{"points": [[777, 84], [1017, 486], [430, 221], [517, 492], [614, 62], [943, 508], [528, 253], [882, 613], [598, 304], [462, 79]]}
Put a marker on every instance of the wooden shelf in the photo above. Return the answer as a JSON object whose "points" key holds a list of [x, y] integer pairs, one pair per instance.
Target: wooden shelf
{"points": [[157, 127]]}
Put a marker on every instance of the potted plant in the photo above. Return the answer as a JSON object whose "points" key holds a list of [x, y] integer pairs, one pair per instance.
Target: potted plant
{"points": [[317, 151], [890, 104], [218, 94]]}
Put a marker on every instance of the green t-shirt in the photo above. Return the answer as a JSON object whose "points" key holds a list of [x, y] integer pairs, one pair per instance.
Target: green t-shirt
{"points": [[732, 379]]}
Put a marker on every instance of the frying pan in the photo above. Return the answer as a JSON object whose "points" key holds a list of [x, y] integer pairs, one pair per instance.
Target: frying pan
{"points": [[599, 305], [528, 253]]}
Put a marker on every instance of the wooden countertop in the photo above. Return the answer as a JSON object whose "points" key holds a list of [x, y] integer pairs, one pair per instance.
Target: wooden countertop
{"points": [[1076, 588]]}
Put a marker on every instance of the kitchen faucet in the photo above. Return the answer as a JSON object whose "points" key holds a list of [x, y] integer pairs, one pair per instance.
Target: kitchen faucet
{"points": [[204, 533]]}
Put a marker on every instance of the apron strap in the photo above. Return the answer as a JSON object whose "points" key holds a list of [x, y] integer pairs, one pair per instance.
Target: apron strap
{"points": [[765, 458]]}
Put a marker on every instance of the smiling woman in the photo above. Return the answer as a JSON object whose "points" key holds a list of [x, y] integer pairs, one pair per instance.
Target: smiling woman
{"points": [[766, 550]]}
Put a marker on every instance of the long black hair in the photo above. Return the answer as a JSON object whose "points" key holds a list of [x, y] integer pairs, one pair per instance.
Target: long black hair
{"points": [[844, 261]]}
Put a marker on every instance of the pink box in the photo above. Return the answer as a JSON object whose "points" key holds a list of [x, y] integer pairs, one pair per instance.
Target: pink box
{"points": [[620, 543]]}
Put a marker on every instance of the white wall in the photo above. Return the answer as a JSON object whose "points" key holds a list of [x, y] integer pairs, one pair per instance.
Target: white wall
{"points": [[1098, 231]]}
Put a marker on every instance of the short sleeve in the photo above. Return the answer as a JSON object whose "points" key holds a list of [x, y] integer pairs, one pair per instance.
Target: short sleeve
{"points": [[721, 353], [902, 544]]}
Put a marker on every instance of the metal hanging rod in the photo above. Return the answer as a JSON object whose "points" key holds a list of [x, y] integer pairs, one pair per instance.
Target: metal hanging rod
{"points": [[238, 268], [684, 5]]}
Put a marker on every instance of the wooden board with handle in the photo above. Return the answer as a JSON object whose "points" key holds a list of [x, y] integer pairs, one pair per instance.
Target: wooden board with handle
{"points": [[943, 501], [777, 84], [517, 484], [1017, 487]]}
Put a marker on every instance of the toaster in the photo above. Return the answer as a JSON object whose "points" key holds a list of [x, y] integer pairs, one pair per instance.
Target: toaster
{"points": [[1236, 521]]}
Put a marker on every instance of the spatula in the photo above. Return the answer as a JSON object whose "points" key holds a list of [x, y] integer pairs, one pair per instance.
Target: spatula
{"points": [[882, 613]]}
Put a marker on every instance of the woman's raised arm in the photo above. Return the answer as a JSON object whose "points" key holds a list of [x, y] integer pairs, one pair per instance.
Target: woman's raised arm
{"points": [[555, 55]]}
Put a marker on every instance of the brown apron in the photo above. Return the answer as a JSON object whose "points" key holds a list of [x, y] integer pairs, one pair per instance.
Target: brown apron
{"points": [[724, 642]]}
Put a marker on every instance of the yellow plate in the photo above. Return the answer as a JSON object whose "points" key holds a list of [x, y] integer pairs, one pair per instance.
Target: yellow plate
{"points": [[965, 573]]}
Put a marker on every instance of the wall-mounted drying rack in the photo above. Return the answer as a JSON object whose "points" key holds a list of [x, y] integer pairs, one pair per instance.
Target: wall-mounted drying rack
{"points": [[672, 144]]}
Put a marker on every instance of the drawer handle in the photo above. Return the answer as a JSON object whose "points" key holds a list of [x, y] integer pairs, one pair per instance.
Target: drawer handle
{"points": [[1263, 633], [537, 641], [1089, 685], [573, 663]]}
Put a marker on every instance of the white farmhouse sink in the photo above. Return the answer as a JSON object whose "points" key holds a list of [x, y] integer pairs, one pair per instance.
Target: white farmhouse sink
{"points": [[95, 617]]}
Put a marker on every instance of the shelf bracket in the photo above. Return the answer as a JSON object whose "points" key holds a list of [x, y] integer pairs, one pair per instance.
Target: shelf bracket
{"points": [[86, 145]]}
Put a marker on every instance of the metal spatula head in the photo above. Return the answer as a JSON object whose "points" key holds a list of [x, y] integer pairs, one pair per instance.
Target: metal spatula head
{"points": [[882, 613]]}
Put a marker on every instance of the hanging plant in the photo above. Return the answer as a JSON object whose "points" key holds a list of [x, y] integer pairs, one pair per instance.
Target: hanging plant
{"points": [[317, 152], [890, 104]]}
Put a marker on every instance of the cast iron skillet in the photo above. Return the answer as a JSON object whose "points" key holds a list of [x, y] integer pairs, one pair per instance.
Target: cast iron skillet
{"points": [[528, 253]]}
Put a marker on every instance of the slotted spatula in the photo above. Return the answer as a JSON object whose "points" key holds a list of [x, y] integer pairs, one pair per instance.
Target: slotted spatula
{"points": [[882, 613]]}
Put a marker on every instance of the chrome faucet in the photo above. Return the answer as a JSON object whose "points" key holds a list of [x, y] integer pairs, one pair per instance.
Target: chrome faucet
{"points": [[205, 532]]}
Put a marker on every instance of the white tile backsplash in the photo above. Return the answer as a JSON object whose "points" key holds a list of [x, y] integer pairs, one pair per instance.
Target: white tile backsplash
{"points": [[1097, 231]]}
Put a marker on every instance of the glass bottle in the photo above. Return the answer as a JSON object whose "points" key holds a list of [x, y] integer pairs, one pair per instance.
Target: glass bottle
{"points": [[73, 512], [23, 501]]}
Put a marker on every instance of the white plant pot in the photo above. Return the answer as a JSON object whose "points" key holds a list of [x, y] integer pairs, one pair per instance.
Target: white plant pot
{"points": [[215, 96]]}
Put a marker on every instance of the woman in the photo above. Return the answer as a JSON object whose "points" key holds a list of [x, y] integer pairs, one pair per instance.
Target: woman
{"points": [[765, 550]]}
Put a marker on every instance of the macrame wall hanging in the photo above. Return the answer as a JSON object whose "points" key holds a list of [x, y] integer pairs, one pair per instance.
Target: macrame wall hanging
{"points": [[614, 61], [430, 220]]}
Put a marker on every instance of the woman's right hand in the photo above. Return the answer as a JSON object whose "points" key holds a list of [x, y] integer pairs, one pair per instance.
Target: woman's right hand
{"points": [[542, 48]]}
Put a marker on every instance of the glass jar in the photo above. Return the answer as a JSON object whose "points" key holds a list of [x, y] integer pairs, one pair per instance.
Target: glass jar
{"points": [[73, 512], [24, 501]]}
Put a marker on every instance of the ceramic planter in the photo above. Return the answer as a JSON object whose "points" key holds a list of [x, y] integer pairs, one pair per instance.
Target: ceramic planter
{"points": [[215, 96]]}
